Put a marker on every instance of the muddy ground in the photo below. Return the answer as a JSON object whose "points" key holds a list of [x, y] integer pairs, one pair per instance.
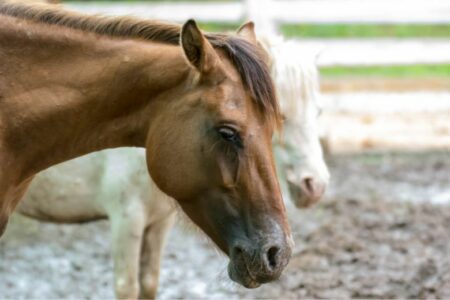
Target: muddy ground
{"points": [[382, 231]]}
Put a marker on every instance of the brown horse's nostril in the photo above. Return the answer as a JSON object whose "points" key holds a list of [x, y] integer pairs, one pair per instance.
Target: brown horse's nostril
{"points": [[272, 257], [237, 251], [259, 265]]}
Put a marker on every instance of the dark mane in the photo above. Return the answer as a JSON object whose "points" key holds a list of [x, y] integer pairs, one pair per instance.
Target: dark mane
{"points": [[247, 58]]}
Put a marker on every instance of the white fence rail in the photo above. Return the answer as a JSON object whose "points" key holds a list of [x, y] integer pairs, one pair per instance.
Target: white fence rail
{"points": [[357, 52], [300, 11]]}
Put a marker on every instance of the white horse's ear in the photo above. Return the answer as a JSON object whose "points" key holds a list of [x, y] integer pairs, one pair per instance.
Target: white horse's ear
{"points": [[318, 54], [247, 31]]}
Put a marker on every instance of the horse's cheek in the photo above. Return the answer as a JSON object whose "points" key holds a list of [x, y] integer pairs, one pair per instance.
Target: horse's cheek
{"points": [[175, 169]]}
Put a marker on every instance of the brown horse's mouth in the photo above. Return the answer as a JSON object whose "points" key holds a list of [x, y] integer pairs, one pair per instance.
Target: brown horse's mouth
{"points": [[242, 276]]}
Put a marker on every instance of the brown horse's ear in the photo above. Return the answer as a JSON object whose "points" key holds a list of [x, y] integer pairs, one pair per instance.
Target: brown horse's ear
{"points": [[196, 47], [247, 31]]}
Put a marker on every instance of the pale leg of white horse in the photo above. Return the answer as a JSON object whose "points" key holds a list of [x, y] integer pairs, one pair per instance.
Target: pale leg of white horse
{"points": [[152, 248], [127, 234]]}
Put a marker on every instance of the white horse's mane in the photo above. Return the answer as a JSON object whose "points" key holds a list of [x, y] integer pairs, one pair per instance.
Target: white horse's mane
{"points": [[296, 76]]}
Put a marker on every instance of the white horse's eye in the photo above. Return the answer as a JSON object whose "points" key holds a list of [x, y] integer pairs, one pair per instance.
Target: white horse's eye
{"points": [[319, 112]]}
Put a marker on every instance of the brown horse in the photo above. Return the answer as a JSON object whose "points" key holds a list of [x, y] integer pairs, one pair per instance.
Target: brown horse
{"points": [[203, 106]]}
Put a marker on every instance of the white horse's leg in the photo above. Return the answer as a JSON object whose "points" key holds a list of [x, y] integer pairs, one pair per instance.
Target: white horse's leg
{"points": [[127, 233], [152, 247], [124, 207]]}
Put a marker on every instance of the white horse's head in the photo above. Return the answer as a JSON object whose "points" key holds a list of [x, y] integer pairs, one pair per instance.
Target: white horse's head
{"points": [[302, 170]]}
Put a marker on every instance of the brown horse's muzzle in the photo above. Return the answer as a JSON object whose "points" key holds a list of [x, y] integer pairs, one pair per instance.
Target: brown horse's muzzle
{"points": [[253, 263], [259, 244]]}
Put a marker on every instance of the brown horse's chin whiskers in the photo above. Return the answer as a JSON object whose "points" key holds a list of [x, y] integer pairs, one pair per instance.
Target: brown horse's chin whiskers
{"points": [[247, 280]]}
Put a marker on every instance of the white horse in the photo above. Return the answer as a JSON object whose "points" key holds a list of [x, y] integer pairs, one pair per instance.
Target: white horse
{"points": [[114, 184], [302, 170]]}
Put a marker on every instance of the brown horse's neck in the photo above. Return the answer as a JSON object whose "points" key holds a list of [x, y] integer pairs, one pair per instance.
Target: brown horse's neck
{"points": [[65, 93]]}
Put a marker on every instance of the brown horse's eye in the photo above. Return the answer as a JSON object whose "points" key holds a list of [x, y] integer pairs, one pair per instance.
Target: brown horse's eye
{"points": [[227, 133], [230, 135]]}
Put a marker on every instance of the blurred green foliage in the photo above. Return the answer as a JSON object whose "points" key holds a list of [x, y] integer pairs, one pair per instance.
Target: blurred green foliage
{"points": [[404, 71], [366, 30], [349, 30], [219, 26]]}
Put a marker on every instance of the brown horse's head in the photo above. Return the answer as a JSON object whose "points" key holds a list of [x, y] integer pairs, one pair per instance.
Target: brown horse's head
{"points": [[211, 150]]}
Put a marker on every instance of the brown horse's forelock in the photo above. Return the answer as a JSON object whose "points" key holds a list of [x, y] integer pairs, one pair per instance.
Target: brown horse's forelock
{"points": [[246, 57]]}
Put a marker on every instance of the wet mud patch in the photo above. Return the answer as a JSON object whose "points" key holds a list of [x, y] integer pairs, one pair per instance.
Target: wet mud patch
{"points": [[372, 249]]}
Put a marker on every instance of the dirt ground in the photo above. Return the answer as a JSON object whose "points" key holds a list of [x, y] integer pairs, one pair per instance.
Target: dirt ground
{"points": [[382, 231], [410, 121]]}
